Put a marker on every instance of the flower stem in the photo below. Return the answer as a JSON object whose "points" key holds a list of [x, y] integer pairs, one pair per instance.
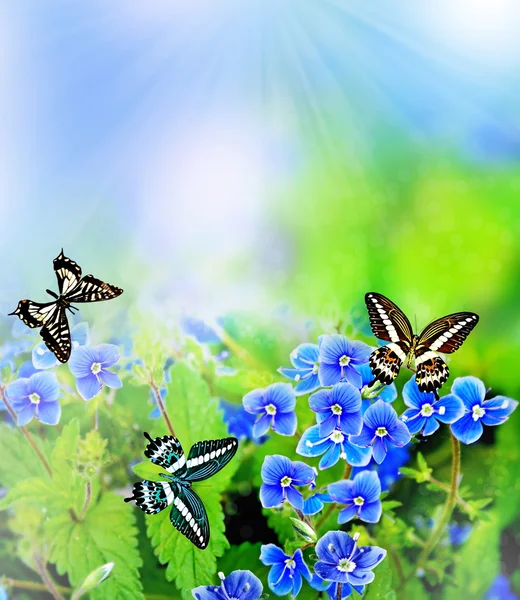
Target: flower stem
{"points": [[86, 503], [339, 591], [161, 406], [32, 585], [47, 579], [332, 507], [25, 432], [451, 501]]}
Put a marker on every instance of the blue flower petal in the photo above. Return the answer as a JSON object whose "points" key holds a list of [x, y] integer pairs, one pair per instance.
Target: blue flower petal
{"points": [[294, 497], [371, 512], [365, 438], [311, 442], [254, 401], [81, 361], [279, 580], [470, 390], [321, 401], [293, 373], [414, 422], [88, 386], [301, 473], [356, 456], [330, 572], [449, 409], [353, 376], [331, 457], [367, 485], [413, 397], [48, 412], [243, 585], [307, 385], [379, 450], [359, 352], [262, 425], [431, 426], [301, 566], [399, 433], [312, 505], [368, 557], [281, 395], [18, 389], [359, 577], [498, 410], [342, 491], [351, 423], [26, 414], [347, 396], [110, 379], [327, 425], [305, 355], [466, 429], [42, 358], [106, 354], [271, 496], [275, 468], [45, 385], [297, 584], [79, 334], [380, 414], [329, 374], [271, 554], [285, 423], [347, 514], [334, 544]]}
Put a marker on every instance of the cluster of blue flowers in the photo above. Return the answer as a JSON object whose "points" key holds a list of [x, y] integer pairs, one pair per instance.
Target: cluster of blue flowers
{"points": [[35, 392]]}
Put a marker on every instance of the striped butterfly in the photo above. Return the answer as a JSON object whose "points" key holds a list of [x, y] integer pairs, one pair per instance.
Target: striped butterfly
{"points": [[51, 316], [444, 335], [188, 514]]}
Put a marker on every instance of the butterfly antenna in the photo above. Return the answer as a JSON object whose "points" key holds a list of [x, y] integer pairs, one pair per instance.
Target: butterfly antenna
{"points": [[51, 293], [415, 319]]}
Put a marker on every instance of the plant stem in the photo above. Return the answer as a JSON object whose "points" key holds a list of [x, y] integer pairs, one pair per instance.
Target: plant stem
{"points": [[86, 503], [339, 591], [447, 488], [161, 406], [332, 507], [32, 585], [25, 432], [47, 579], [451, 501]]}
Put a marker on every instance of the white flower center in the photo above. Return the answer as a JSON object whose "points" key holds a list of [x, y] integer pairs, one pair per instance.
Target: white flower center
{"points": [[344, 360], [478, 412], [270, 409], [346, 566], [381, 432], [359, 501], [426, 410], [337, 437], [34, 398], [291, 564], [336, 409], [285, 481], [95, 368], [315, 368]]}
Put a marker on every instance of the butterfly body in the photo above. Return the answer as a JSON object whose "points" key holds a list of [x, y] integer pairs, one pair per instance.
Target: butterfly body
{"points": [[51, 316], [443, 335], [188, 514]]}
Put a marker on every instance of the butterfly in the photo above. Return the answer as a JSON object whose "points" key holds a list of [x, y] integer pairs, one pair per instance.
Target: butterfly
{"points": [[444, 335], [51, 316], [188, 514]]}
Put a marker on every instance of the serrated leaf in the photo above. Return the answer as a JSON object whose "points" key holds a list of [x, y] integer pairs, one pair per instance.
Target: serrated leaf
{"points": [[19, 461], [107, 534], [195, 416]]}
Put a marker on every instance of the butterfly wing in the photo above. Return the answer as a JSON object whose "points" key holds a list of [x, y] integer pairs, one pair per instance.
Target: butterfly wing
{"points": [[35, 314], [207, 458], [56, 335], [67, 272], [446, 334], [188, 516], [388, 323], [90, 289], [166, 452], [152, 496], [431, 372]]}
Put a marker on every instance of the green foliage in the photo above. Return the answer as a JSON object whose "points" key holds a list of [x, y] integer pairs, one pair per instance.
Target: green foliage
{"points": [[19, 461], [188, 398], [381, 587]]}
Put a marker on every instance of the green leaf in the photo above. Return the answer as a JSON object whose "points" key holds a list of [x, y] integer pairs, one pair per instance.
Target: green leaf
{"points": [[381, 587], [107, 534], [19, 461], [279, 521], [244, 556], [148, 470], [195, 416]]}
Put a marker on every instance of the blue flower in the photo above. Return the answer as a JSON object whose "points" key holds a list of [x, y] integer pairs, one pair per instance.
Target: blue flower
{"points": [[477, 410], [286, 572], [3, 593], [275, 407], [333, 447], [304, 359], [240, 585], [426, 411], [459, 534], [239, 422], [314, 504], [339, 358], [388, 393], [280, 476], [341, 560], [27, 369], [361, 497], [321, 585], [201, 331], [500, 589], [381, 428], [338, 408], [89, 364], [43, 358], [389, 469], [36, 396]]}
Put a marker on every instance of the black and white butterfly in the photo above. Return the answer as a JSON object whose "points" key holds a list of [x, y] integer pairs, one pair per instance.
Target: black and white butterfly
{"points": [[188, 514], [51, 316], [444, 335]]}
